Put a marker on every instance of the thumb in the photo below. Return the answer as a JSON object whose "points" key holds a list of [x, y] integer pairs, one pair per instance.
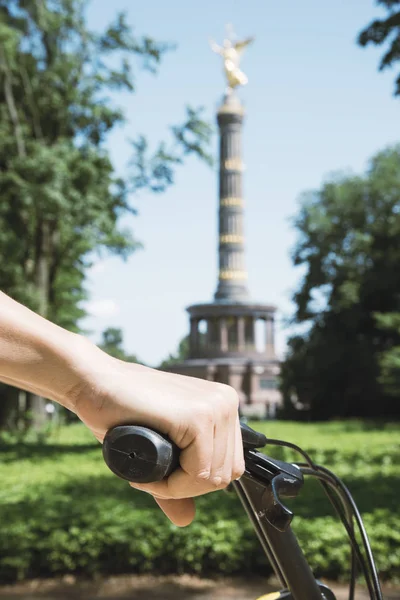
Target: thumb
{"points": [[180, 512]]}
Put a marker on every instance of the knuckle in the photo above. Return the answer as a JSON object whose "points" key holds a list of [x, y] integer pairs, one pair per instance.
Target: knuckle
{"points": [[228, 396], [225, 480], [204, 415], [238, 470], [202, 476], [221, 481]]}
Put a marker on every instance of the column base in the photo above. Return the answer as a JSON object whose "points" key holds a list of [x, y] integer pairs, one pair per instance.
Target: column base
{"points": [[231, 293]]}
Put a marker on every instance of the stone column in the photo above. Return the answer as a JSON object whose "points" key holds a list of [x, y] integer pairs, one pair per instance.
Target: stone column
{"points": [[249, 333], [232, 280], [209, 336], [254, 333], [223, 335], [211, 373], [269, 341], [193, 336], [241, 334]]}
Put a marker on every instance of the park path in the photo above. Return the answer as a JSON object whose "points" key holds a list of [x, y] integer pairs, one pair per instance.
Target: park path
{"points": [[160, 588]]}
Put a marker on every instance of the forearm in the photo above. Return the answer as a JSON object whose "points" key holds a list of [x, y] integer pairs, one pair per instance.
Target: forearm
{"points": [[37, 355]]}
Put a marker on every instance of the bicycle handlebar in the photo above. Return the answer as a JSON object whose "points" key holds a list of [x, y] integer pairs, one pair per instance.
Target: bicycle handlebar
{"points": [[142, 455]]}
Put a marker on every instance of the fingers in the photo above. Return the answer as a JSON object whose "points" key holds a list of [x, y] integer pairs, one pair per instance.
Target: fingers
{"points": [[179, 485], [211, 450], [180, 512], [238, 461], [197, 458], [224, 446]]}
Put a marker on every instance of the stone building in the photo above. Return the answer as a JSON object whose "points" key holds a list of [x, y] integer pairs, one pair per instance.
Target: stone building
{"points": [[225, 334]]}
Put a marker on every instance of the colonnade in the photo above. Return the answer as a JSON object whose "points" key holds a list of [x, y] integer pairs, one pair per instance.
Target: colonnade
{"points": [[230, 334]]}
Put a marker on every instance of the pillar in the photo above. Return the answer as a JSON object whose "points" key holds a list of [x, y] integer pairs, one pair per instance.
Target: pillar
{"points": [[254, 327], [210, 334], [193, 336], [269, 341], [241, 334], [232, 279], [223, 335]]}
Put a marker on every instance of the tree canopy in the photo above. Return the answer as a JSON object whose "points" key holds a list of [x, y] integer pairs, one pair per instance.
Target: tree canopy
{"points": [[112, 342], [385, 31], [347, 362], [61, 198]]}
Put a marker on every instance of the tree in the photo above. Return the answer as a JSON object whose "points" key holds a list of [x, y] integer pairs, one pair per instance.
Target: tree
{"points": [[349, 298], [386, 30], [390, 358], [112, 342], [181, 354], [61, 201]]}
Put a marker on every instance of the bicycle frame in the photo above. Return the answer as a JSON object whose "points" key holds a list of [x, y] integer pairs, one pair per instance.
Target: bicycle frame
{"points": [[141, 455], [258, 490]]}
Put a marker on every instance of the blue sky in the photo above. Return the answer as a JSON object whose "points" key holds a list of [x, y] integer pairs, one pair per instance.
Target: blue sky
{"points": [[315, 105]]}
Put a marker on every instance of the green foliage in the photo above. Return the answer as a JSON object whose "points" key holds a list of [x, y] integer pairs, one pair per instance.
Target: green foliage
{"points": [[348, 236], [180, 355], [61, 198], [386, 30], [112, 343], [390, 359], [64, 512]]}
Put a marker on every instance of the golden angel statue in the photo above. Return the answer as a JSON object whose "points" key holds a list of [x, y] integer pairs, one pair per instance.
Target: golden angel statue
{"points": [[231, 53]]}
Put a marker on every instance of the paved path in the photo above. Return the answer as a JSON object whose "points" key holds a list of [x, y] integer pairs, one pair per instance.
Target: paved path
{"points": [[161, 588]]}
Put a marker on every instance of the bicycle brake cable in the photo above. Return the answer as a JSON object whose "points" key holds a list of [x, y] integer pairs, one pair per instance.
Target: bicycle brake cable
{"points": [[332, 483]]}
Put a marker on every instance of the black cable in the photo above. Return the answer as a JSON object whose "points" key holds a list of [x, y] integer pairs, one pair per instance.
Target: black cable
{"points": [[326, 478], [363, 532], [344, 518]]}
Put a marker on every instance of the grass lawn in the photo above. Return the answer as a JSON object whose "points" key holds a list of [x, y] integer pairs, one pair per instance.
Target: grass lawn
{"points": [[63, 511]]}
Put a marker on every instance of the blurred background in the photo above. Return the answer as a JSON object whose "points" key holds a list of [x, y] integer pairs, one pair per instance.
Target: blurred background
{"points": [[108, 226]]}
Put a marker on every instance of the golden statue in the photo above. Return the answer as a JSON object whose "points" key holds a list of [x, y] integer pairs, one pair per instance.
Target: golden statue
{"points": [[232, 52]]}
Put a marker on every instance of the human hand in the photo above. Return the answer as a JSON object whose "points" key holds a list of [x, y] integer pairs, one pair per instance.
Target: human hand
{"points": [[200, 416]]}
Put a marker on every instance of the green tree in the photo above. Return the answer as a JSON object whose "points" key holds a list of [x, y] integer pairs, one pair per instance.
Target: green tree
{"points": [[61, 200], [349, 299], [385, 31], [113, 343], [181, 354]]}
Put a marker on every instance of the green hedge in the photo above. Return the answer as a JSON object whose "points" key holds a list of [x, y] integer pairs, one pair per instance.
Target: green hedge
{"points": [[61, 511]]}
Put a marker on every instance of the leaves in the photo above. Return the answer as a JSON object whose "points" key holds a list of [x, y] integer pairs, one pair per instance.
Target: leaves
{"points": [[86, 521], [112, 343], [385, 30], [61, 198], [348, 236]]}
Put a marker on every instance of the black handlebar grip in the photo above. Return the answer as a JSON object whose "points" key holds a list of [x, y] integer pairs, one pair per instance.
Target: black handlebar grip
{"points": [[139, 455]]}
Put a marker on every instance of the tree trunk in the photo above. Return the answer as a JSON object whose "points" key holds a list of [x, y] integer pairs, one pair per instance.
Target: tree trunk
{"points": [[36, 411], [36, 404], [8, 407]]}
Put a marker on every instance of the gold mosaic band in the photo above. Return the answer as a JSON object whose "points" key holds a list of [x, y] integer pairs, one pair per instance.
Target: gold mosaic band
{"points": [[231, 238], [230, 275], [231, 201], [234, 164]]}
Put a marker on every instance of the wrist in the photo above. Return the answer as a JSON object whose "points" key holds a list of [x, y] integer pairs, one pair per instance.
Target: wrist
{"points": [[42, 358], [77, 362]]}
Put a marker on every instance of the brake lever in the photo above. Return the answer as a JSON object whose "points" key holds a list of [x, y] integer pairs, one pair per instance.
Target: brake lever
{"points": [[266, 481]]}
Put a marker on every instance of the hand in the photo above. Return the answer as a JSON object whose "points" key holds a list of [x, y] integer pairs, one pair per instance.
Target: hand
{"points": [[200, 416]]}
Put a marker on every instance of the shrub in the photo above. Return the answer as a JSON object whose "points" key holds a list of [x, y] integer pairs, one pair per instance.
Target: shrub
{"points": [[63, 512]]}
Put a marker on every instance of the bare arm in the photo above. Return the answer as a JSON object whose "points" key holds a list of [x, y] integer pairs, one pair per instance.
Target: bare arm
{"points": [[201, 417], [38, 356]]}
